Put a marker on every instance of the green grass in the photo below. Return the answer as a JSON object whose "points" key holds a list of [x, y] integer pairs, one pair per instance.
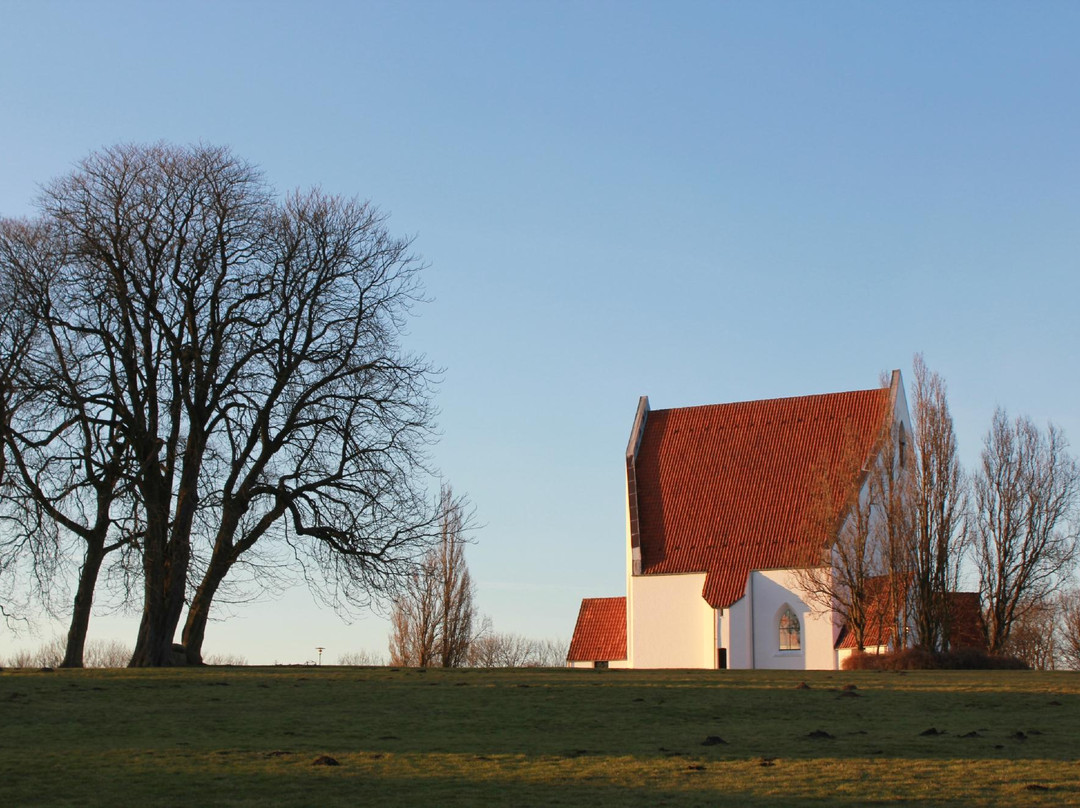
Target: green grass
{"points": [[249, 736]]}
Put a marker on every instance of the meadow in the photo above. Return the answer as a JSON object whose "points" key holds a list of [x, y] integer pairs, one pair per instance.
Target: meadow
{"points": [[353, 736]]}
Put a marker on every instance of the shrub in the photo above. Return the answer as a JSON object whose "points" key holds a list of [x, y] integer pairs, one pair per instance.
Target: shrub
{"points": [[220, 660], [106, 654], [968, 659]]}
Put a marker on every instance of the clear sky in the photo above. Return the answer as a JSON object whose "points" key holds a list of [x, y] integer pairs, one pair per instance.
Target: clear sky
{"points": [[696, 201]]}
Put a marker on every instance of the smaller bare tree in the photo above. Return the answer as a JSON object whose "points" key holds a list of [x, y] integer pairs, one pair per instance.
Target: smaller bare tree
{"points": [[1068, 629], [938, 501], [1033, 637], [434, 618], [1025, 534], [549, 653]]}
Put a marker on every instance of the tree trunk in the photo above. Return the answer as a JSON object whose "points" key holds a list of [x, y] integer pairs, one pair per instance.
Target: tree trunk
{"points": [[199, 611], [165, 566], [84, 600]]}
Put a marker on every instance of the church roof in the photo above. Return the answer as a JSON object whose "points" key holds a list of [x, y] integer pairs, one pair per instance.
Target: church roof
{"points": [[725, 489], [600, 633]]}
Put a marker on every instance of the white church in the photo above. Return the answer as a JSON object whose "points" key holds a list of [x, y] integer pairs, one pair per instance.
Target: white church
{"points": [[717, 501]]}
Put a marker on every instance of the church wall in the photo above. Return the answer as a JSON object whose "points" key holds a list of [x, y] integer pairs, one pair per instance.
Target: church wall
{"points": [[670, 625], [612, 663], [770, 591], [735, 633]]}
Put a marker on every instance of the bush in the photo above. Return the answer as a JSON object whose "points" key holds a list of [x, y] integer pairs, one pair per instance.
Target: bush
{"points": [[222, 660], [106, 654], [362, 659], [918, 659]]}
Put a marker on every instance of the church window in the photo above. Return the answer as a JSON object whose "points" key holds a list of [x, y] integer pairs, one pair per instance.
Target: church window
{"points": [[790, 639]]}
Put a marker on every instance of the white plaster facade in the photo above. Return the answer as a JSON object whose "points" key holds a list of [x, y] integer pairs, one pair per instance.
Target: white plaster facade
{"points": [[669, 624], [613, 663]]}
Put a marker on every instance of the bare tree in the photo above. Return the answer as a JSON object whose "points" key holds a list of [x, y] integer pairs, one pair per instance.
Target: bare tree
{"points": [[415, 617], [938, 501], [68, 462], [498, 650], [434, 618], [1033, 637], [325, 427], [239, 357], [1025, 538], [107, 654], [362, 659], [549, 653], [1068, 629]]}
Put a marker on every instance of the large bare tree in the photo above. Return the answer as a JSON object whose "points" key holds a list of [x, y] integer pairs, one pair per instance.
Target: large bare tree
{"points": [[938, 501], [244, 354], [320, 442], [1025, 535]]}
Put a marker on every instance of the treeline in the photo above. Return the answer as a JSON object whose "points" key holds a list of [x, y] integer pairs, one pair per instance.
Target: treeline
{"points": [[900, 523]]}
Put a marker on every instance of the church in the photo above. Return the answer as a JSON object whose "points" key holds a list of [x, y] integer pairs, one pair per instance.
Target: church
{"points": [[717, 503]]}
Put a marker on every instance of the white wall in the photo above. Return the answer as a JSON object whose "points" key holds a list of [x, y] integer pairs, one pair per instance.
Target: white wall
{"points": [[770, 591], [670, 625], [613, 663]]}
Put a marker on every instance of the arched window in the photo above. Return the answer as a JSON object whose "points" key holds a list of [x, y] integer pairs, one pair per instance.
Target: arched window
{"points": [[902, 447], [790, 639]]}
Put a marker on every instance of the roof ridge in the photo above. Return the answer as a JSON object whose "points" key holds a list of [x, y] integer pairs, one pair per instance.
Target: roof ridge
{"points": [[881, 390]]}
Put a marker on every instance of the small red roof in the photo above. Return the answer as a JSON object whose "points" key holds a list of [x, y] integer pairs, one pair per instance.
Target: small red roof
{"points": [[880, 616], [967, 629], [725, 489], [600, 633]]}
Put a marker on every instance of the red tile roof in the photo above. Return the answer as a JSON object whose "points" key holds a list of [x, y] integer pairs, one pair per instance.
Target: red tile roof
{"points": [[879, 630], [967, 629], [600, 633], [725, 489]]}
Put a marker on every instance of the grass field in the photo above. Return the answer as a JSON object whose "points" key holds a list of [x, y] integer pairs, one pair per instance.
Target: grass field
{"points": [[251, 736]]}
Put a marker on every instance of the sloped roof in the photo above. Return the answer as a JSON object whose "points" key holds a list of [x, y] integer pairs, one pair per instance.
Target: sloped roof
{"points": [[725, 489], [880, 621], [600, 633], [966, 629]]}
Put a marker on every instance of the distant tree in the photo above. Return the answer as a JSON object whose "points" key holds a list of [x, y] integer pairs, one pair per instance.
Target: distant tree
{"points": [[363, 658], [434, 617], [107, 654], [549, 653], [1033, 637], [498, 650], [938, 501], [222, 659], [1025, 536], [1068, 642]]}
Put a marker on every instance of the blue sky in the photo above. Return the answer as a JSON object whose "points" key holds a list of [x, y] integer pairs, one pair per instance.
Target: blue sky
{"points": [[700, 202]]}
